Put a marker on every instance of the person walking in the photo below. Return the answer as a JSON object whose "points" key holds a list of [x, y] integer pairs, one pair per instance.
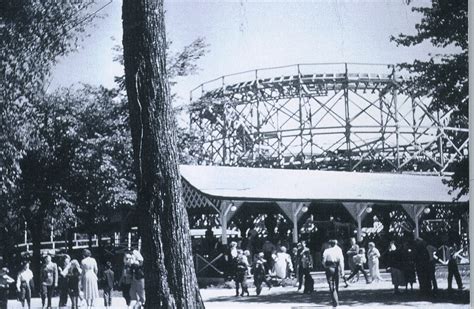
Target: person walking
{"points": [[408, 265], [301, 247], [422, 260], [333, 262], [137, 287], [353, 251], [5, 281], [241, 274], [63, 271], [108, 280], [432, 268], [394, 265], [359, 260], [25, 284], [453, 270], [89, 278], [73, 283], [259, 273], [306, 264], [126, 278], [373, 256], [49, 280]]}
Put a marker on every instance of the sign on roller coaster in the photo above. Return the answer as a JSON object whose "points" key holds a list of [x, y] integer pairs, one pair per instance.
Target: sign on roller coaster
{"points": [[301, 116]]}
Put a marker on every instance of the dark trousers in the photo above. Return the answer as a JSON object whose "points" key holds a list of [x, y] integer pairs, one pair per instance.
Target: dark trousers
{"points": [[126, 293], [74, 295], [355, 272], [453, 270], [258, 281], [432, 276], [3, 298], [241, 281], [301, 272], [46, 293], [25, 294], [332, 276], [422, 272], [63, 292], [107, 297]]}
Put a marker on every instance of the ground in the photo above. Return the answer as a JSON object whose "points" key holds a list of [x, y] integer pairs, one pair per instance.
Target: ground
{"points": [[358, 295]]}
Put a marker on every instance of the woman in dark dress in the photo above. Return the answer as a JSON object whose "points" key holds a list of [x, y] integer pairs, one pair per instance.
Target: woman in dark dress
{"points": [[73, 281], [63, 271], [125, 281], [408, 265], [394, 265]]}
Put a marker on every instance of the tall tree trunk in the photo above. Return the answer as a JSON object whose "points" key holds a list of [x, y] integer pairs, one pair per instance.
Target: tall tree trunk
{"points": [[170, 279], [36, 234]]}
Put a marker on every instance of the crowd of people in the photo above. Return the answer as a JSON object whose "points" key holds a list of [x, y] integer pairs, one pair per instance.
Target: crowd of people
{"points": [[269, 264], [77, 281], [406, 263]]}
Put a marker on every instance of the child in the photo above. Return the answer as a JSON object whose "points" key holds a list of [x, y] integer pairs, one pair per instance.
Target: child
{"points": [[306, 264], [5, 281], [74, 277], [241, 274], [108, 280], [24, 284], [359, 260]]}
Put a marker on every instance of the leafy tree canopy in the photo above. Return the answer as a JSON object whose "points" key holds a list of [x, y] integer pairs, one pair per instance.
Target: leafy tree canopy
{"points": [[34, 34], [443, 77]]}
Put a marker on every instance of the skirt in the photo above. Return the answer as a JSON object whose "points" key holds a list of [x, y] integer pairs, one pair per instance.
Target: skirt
{"points": [[398, 277], [89, 285]]}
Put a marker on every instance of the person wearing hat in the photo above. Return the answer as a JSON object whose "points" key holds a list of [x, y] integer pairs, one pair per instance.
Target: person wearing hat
{"points": [[333, 262], [49, 280], [259, 273]]}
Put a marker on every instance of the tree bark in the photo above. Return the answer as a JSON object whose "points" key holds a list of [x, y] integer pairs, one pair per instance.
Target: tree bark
{"points": [[170, 280], [36, 234]]}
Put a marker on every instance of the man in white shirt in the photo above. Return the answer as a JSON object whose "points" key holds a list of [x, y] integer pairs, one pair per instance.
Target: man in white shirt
{"points": [[333, 262]]}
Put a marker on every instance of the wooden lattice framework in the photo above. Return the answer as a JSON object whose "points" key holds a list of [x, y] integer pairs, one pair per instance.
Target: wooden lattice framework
{"points": [[298, 116]]}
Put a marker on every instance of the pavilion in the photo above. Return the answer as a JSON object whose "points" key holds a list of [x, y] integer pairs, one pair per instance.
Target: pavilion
{"points": [[226, 188]]}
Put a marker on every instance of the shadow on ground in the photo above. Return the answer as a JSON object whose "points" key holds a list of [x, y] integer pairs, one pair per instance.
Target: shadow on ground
{"points": [[352, 297]]}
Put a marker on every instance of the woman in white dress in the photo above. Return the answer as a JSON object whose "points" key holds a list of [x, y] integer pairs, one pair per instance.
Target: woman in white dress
{"points": [[283, 264], [89, 278], [373, 256]]}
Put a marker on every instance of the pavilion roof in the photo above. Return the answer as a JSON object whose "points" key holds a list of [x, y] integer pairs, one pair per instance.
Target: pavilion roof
{"points": [[264, 184]]}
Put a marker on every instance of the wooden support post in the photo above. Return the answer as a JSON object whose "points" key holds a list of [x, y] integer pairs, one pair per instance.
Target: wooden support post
{"points": [[296, 210], [415, 212], [225, 215], [360, 215], [419, 212], [358, 211], [224, 227]]}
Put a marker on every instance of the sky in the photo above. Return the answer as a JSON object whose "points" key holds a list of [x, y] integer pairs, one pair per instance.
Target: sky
{"points": [[245, 35]]}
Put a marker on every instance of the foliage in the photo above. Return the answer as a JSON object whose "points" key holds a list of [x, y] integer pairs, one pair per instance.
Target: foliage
{"points": [[35, 33], [77, 168], [443, 77], [101, 179], [179, 64]]}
